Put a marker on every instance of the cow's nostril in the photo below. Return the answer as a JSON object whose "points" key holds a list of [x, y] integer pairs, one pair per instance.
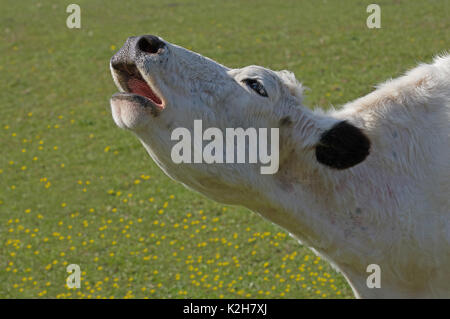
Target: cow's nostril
{"points": [[150, 44]]}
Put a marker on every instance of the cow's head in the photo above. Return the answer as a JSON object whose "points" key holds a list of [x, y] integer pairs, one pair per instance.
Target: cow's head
{"points": [[164, 87]]}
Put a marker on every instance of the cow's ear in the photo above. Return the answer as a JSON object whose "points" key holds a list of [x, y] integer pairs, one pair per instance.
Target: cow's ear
{"points": [[342, 146]]}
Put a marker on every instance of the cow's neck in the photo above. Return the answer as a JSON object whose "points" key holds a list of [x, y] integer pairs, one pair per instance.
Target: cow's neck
{"points": [[332, 212]]}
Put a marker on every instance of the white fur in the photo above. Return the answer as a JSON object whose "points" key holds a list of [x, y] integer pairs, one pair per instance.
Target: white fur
{"points": [[393, 209]]}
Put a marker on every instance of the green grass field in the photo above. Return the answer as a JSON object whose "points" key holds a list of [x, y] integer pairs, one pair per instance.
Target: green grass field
{"points": [[75, 189]]}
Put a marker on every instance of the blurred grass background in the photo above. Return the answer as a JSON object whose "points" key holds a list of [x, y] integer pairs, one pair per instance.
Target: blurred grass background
{"points": [[75, 189]]}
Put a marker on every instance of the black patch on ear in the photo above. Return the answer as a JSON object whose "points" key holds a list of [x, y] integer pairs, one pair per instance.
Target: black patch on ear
{"points": [[286, 121], [342, 146]]}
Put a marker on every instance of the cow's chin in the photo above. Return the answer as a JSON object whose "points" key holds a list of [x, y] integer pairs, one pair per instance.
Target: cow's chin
{"points": [[132, 111]]}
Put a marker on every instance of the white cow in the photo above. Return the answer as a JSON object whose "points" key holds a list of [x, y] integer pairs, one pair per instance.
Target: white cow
{"points": [[366, 184]]}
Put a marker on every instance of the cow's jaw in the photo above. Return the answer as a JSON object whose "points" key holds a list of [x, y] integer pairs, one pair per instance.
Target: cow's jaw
{"points": [[130, 81], [138, 98], [139, 95]]}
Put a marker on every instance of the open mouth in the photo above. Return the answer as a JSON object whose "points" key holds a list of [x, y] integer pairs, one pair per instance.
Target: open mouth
{"points": [[131, 81]]}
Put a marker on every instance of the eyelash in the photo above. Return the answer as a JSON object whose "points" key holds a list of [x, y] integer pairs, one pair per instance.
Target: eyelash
{"points": [[256, 86]]}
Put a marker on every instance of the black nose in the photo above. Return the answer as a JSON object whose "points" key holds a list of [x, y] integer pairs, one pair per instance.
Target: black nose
{"points": [[149, 44]]}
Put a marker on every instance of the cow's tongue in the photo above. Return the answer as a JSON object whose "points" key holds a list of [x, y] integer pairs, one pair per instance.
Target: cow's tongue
{"points": [[139, 86]]}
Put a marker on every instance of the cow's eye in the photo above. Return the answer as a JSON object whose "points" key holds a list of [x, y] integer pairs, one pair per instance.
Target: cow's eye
{"points": [[256, 86]]}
